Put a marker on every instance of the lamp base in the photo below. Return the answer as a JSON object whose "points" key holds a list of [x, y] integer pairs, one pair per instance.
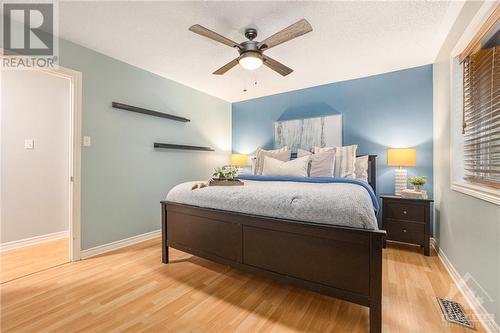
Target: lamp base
{"points": [[400, 181]]}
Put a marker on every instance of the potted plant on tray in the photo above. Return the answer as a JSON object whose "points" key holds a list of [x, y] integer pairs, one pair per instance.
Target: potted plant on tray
{"points": [[417, 182], [225, 176]]}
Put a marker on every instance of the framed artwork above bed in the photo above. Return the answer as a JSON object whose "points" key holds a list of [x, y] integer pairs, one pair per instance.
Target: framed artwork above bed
{"points": [[308, 133]]}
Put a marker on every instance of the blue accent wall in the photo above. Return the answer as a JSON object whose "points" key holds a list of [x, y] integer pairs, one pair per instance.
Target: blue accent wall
{"points": [[381, 111]]}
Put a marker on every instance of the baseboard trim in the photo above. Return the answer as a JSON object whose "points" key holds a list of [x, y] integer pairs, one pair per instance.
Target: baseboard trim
{"points": [[94, 251], [33, 240], [481, 313]]}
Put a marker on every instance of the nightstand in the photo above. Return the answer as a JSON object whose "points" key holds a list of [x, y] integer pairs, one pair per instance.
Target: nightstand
{"points": [[407, 220]]}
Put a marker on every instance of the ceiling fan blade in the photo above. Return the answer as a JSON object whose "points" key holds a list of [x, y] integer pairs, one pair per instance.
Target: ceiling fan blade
{"points": [[295, 30], [276, 66], [226, 67], [212, 35]]}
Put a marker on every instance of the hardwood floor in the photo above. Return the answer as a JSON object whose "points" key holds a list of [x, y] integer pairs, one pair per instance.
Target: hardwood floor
{"points": [[28, 260], [131, 290]]}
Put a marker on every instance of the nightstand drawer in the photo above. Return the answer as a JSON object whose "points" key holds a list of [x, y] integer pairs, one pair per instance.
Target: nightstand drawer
{"points": [[403, 231], [405, 211]]}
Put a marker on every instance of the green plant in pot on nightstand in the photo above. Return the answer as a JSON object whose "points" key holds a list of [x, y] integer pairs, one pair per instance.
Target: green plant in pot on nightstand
{"points": [[418, 182]]}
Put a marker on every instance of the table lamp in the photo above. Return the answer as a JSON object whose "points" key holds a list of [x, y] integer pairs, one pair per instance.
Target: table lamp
{"points": [[401, 157], [239, 160]]}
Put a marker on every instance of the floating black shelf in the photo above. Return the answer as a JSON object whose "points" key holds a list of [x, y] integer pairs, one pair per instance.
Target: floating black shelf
{"points": [[182, 147], [148, 112]]}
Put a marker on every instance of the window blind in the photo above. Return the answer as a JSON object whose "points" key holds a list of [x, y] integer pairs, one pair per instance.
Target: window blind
{"points": [[481, 116]]}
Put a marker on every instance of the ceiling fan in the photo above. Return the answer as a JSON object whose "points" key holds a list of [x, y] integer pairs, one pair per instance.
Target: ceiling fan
{"points": [[251, 52]]}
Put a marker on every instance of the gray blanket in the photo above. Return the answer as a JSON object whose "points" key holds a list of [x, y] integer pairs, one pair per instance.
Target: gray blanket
{"points": [[340, 204]]}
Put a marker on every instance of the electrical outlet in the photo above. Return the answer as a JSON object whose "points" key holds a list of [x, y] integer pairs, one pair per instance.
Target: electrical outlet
{"points": [[86, 141], [29, 144]]}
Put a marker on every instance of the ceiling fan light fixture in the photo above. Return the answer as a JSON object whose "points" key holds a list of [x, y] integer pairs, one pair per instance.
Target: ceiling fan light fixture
{"points": [[250, 60], [251, 52]]}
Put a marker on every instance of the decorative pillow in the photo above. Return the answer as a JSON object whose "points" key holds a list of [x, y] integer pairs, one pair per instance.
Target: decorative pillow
{"points": [[361, 168], [294, 168], [322, 164], [303, 152], [345, 158], [322, 149], [282, 154], [253, 162]]}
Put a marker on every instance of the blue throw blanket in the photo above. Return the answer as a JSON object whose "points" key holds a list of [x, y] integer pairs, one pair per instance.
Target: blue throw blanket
{"points": [[366, 186]]}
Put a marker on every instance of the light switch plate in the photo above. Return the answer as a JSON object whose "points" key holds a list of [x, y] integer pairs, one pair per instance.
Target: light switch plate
{"points": [[86, 141], [29, 144]]}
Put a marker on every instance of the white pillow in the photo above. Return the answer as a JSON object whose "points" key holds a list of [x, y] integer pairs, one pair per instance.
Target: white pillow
{"points": [[303, 152], [345, 159], [361, 168], [322, 149], [322, 164], [294, 168], [282, 154]]}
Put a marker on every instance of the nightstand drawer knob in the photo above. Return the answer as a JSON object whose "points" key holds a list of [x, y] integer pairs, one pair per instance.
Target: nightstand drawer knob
{"points": [[405, 212], [404, 230]]}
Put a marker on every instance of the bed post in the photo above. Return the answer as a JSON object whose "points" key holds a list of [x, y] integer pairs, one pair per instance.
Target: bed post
{"points": [[164, 247], [376, 282], [373, 172]]}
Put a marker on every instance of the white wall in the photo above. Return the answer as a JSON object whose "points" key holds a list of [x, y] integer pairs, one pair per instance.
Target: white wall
{"points": [[467, 229], [123, 177], [34, 183]]}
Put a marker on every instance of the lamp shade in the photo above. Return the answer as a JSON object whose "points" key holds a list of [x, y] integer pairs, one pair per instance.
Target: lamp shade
{"points": [[239, 159], [401, 156]]}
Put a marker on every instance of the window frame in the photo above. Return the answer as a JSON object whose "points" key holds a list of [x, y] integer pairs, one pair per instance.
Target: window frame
{"points": [[457, 183]]}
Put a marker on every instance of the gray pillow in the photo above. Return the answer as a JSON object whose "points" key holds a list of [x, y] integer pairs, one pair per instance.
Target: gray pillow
{"points": [[322, 164], [345, 158]]}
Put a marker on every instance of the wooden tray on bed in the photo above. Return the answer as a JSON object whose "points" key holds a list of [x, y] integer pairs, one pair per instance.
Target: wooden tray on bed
{"points": [[216, 182]]}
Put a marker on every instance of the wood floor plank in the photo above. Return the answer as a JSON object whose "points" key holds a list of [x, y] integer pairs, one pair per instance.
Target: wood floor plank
{"points": [[131, 290], [31, 259]]}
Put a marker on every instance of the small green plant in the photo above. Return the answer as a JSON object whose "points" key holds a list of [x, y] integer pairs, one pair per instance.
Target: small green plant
{"points": [[418, 181], [225, 173]]}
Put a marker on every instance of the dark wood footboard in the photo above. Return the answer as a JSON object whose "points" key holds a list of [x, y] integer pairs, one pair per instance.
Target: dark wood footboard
{"points": [[342, 262]]}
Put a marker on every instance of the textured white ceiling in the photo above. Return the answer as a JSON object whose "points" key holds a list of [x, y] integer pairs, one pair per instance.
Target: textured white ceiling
{"points": [[349, 40]]}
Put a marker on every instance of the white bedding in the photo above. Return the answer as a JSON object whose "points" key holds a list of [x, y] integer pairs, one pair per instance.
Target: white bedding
{"points": [[340, 204]]}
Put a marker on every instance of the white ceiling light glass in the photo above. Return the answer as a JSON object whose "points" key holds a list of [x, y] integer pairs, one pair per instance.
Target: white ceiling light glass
{"points": [[250, 60]]}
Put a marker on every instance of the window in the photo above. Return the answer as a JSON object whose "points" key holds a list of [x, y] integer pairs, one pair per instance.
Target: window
{"points": [[481, 116], [475, 104]]}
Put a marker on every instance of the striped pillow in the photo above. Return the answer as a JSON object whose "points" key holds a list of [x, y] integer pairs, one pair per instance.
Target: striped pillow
{"points": [[345, 159]]}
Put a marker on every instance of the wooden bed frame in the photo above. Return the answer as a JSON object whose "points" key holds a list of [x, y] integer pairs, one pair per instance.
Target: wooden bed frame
{"points": [[342, 262]]}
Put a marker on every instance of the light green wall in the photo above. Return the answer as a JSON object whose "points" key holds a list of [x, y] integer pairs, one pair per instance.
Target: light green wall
{"points": [[123, 177], [467, 229]]}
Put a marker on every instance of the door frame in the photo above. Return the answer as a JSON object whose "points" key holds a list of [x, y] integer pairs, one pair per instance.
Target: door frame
{"points": [[75, 152]]}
